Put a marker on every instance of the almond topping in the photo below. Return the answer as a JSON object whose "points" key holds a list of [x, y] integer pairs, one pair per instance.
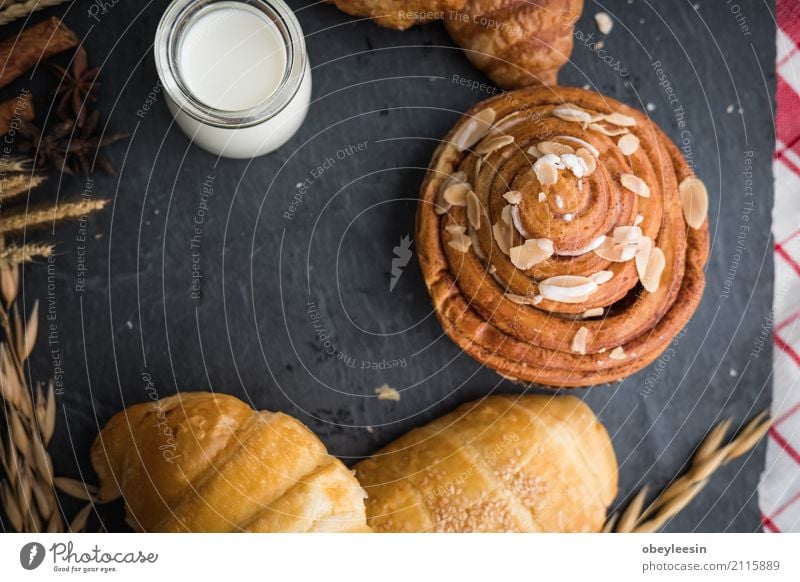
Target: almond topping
{"points": [[694, 199], [534, 151], [619, 119], [513, 197], [581, 142], [645, 247], [517, 221], [488, 146], [588, 159], [474, 129], [503, 235], [655, 268], [609, 131], [442, 205], [628, 144], [570, 112], [635, 184], [604, 22], [546, 170], [567, 288], [521, 299], [601, 277], [638, 220], [456, 195], [458, 239], [579, 341], [473, 210], [532, 252], [559, 201], [595, 312], [555, 148], [617, 354], [542, 196]]}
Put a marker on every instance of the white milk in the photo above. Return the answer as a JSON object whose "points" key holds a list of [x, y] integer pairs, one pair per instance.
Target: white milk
{"points": [[235, 74], [232, 58]]}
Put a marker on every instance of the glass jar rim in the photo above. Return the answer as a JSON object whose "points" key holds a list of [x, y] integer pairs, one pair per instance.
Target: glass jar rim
{"points": [[175, 22]]}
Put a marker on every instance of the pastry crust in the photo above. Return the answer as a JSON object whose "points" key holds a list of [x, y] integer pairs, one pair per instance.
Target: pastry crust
{"points": [[400, 14], [517, 43], [504, 463], [204, 462], [477, 292]]}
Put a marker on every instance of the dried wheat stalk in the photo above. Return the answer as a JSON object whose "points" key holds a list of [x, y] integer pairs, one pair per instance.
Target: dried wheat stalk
{"points": [[18, 221], [21, 9], [15, 165], [709, 456], [25, 253], [17, 184]]}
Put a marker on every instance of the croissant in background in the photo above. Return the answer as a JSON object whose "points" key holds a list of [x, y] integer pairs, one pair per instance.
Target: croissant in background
{"points": [[399, 14], [204, 462], [517, 43], [504, 463], [562, 237]]}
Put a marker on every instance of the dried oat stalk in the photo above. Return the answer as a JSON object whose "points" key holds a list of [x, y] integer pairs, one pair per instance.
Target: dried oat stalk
{"points": [[21, 8], [709, 456], [27, 484]]}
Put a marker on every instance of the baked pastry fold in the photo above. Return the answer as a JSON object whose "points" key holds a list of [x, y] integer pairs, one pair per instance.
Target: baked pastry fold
{"points": [[501, 464], [205, 462], [562, 236]]}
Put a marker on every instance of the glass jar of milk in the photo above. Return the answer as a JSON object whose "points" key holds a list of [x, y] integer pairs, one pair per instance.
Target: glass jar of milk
{"points": [[235, 73]]}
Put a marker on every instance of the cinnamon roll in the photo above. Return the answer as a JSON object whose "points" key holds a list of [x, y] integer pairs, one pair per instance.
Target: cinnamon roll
{"points": [[562, 236]]}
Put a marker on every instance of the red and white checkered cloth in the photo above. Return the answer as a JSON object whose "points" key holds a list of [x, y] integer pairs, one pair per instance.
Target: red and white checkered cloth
{"points": [[779, 490]]}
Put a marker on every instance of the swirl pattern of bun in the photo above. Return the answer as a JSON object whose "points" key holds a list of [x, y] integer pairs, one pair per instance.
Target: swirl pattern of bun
{"points": [[562, 237]]}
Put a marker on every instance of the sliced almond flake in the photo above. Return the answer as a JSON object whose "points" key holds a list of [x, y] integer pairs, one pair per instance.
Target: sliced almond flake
{"points": [[542, 196], [594, 312], [694, 200], [627, 234], [638, 220], [537, 299], [442, 205], [555, 148], [559, 201], [513, 196], [455, 228], [502, 235], [505, 214], [546, 170], [456, 195], [596, 243], [521, 299], [604, 22], [579, 341], [619, 119], [581, 142], [588, 159], [601, 350], [532, 252], [568, 217], [492, 144], [575, 164], [517, 222], [655, 268], [473, 210], [476, 244], [635, 184], [601, 277], [628, 144], [570, 112], [609, 131], [616, 252], [460, 241], [534, 151], [617, 354], [474, 129], [478, 165], [644, 248], [567, 288], [386, 392]]}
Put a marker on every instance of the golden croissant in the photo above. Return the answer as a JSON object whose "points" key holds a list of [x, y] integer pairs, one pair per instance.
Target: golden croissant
{"points": [[504, 463], [204, 462], [399, 14], [517, 43], [562, 237]]}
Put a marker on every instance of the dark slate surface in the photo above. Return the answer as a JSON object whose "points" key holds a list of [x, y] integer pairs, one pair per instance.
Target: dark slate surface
{"points": [[266, 279]]}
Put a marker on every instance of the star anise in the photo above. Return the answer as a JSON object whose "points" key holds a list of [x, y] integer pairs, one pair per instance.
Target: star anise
{"points": [[69, 148], [77, 87]]}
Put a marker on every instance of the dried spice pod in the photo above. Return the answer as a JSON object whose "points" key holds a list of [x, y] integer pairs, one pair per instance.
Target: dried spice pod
{"points": [[15, 110], [517, 43], [33, 45], [586, 240]]}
